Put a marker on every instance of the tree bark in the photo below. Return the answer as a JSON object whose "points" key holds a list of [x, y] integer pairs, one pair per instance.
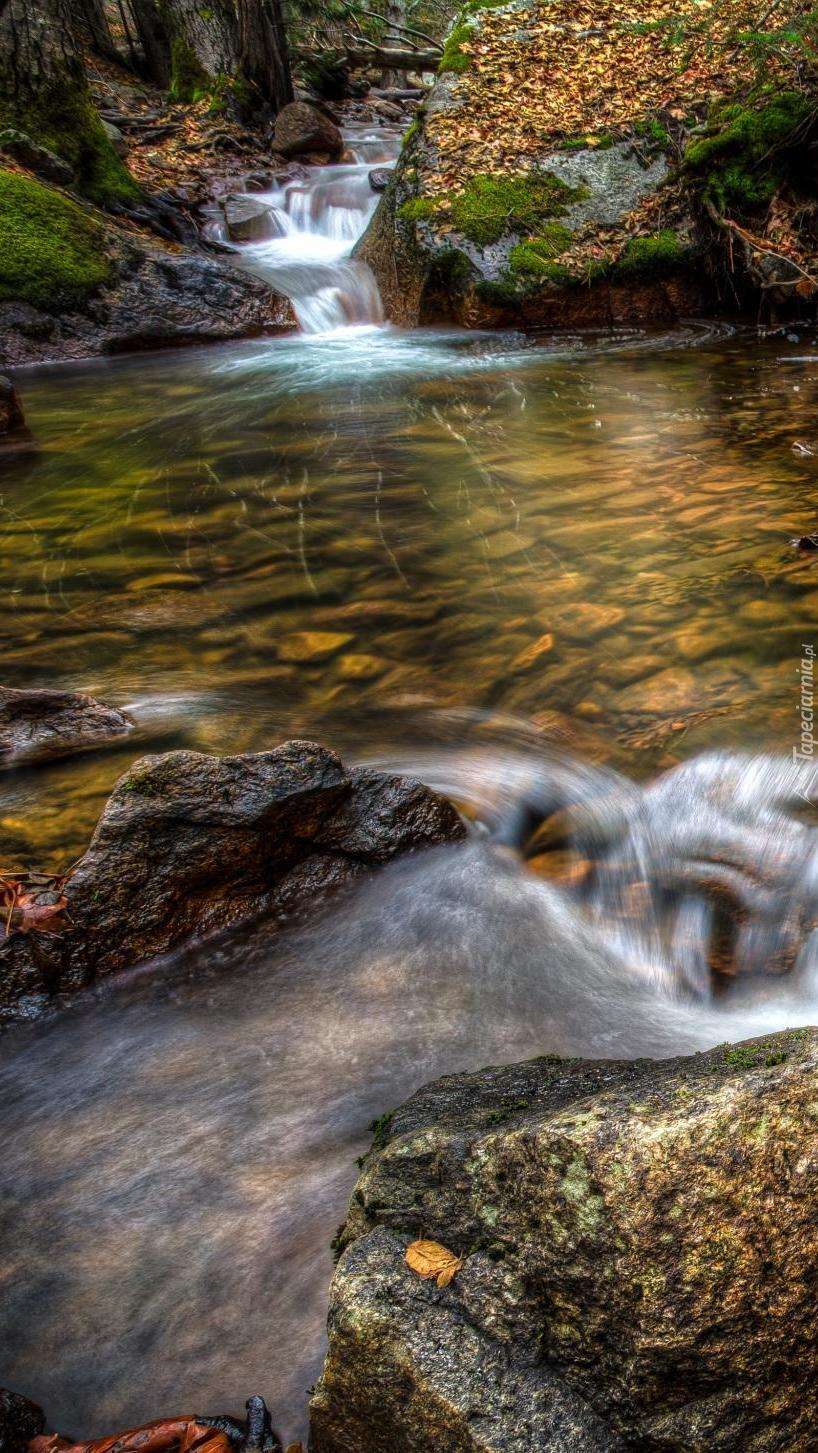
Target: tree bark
{"points": [[154, 39], [397, 60], [38, 54], [263, 55], [91, 20]]}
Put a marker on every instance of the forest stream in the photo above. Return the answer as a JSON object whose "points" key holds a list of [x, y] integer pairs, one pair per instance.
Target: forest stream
{"points": [[492, 561]]}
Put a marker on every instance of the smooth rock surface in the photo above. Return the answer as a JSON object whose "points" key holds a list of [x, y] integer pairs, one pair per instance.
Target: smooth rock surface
{"points": [[41, 725], [189, 844], [641, 1260], [301, 129]]}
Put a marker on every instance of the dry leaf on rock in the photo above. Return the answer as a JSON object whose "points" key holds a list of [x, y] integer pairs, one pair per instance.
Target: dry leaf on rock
{"points": [[433, 1261]]}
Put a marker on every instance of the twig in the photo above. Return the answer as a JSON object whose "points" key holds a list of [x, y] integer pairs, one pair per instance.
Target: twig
{"points": [[396, 25]]}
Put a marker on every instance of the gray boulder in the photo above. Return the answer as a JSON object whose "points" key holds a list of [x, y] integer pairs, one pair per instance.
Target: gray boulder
{"points": [[41, 725], [301, 129], [189, 844], [249, 221], [640, 1249]]}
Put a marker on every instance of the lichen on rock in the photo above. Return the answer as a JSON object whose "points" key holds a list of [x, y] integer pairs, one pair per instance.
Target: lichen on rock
{"points": [[640, 1249]]}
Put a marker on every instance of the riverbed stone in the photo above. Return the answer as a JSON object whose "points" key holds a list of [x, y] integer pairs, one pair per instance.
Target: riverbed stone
{"points": [[41, 725], [189, 844], [640, 1261], [249, 220], [11, 412], [313, 645], [301, 129]]}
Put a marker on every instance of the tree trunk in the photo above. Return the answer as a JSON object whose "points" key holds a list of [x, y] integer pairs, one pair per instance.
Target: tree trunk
{"points": [[263, 55], [154, 39], [44, 93], [206, 36], [92, 22]]}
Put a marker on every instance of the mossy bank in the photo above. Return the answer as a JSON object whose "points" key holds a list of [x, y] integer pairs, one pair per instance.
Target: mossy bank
{"points": [[629, 172]]}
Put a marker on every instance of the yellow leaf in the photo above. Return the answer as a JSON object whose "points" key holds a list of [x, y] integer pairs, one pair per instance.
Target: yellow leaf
{"points": [[433, 1262]]}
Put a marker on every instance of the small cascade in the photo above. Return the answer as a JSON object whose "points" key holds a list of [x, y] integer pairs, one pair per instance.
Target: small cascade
{"points": [[320, 214]]}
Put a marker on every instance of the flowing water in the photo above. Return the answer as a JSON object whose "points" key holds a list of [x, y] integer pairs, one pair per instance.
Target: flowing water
{"points": [[555, 571]]}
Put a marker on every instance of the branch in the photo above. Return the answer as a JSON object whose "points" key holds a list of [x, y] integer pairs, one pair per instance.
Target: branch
{"points": [[393, 25]]}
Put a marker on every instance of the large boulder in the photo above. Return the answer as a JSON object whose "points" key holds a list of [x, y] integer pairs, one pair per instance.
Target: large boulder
{"points": [[564, 171], [189, 844], [301, 129], [640, 1268], [41, 725]]}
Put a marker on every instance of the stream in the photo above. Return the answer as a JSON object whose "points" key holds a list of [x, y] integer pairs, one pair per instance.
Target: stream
{"points": [[511, 566]]}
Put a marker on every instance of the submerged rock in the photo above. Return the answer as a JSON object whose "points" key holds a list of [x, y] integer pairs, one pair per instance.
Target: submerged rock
{"points": [[11, 412], [189, 844], [640, 1250], [41, 725], [302, 129]]}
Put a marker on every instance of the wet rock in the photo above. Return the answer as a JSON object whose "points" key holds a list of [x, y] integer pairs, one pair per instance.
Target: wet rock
{"points": [[301, 128], [156, 299], [532, 654], [39, 726], [11, 413], [379, 178], [38, 159], [20, 1420], [189, 844], [258, 181], [249, 221], [640, 1261]]}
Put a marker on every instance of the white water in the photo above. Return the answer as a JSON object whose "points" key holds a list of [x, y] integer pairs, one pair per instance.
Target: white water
{"points": [[320, 215]]}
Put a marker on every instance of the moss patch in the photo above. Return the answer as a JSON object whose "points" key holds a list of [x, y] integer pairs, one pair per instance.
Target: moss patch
{"points": [[417, 209], [747, 151], [490, 206], [53, 253], [650, 257], [189, 81], [454, 58], [66, 122], [534, 257]]}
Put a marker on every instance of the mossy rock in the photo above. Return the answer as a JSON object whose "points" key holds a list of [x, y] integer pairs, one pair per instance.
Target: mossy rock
{"points": [[490, 206], [648, 258], [66, 122], [54, 252]]}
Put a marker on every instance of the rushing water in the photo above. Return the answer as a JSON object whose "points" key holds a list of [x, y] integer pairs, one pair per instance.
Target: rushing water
{"points": [[319, 216], [555, 571]]}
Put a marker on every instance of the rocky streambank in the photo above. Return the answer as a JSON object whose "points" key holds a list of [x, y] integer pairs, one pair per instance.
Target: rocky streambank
{"points": [[190, 844], [573, 170], [638, 1273]]}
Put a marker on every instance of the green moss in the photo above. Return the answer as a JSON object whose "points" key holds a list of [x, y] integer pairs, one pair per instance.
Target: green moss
{"points": [[653, 132], [747, 152], [417, 209], [380, 1129], [491, 205], [651, 257], [66, 122], [534, 257], [189, 81], [502, 294], [454, 58], [53, 253], [410, 133]]}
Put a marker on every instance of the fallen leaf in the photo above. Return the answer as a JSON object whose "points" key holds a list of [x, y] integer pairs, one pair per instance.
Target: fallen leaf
{"points": [[433, 1261]]}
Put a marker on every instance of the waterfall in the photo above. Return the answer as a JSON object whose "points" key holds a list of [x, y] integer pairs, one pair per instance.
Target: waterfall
{"points": [[320, 213]]}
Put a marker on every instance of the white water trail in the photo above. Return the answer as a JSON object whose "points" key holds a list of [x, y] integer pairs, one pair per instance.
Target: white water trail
{"points": [[320, 213]]}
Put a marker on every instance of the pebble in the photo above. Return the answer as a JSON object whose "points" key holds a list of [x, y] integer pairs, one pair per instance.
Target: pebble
{"points": [[312, 645], [532, 653]]}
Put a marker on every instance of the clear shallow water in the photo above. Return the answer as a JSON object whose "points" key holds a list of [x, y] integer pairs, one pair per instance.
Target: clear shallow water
{"points": [[359, 538]]}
